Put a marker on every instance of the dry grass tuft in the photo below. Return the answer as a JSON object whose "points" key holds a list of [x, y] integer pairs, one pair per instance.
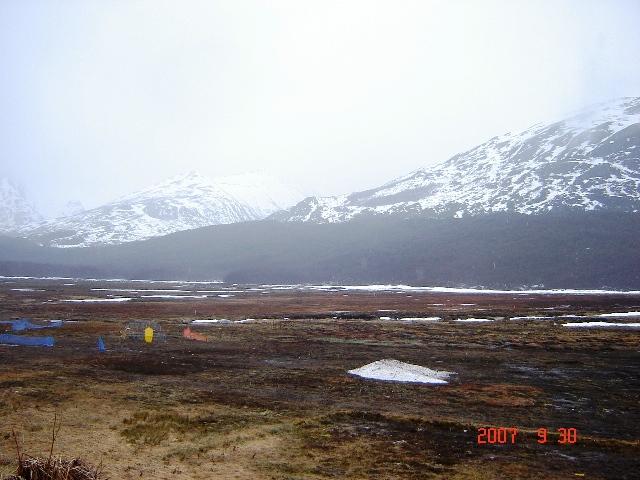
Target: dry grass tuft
{"points": [[36, 468], [54, 469]]}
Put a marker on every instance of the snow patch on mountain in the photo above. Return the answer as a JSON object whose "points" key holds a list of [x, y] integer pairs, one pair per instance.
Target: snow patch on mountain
{"points": [[264, 192], [184, 202], [15, 209], [590, 161]]}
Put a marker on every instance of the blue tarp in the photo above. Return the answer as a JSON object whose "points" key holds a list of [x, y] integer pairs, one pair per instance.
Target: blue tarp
{"points": [[22, 340], [101, 344], [25, 324]]}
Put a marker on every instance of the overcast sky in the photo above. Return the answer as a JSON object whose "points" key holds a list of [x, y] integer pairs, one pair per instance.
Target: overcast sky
{"points": [[98, 99]]}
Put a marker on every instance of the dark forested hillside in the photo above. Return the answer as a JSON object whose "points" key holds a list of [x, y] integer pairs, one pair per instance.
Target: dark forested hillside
{"points": [[579, 250]]}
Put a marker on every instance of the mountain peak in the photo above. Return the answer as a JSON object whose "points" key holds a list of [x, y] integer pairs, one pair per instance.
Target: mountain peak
{"points": [[182, 202], [625, 110], [15, 209], [71, 208], [189, 177]]}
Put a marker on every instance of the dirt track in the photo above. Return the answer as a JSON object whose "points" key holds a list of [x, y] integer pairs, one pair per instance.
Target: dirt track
{"points": [[273, 399]]}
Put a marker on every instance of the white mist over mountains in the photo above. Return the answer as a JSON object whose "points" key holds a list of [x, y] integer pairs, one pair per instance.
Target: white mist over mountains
{"points": [[101, 99], [589, 161], [15, 209], [183, 202]]}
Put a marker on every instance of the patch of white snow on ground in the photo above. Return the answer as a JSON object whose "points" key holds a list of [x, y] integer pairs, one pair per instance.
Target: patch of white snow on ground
{"points": [[601, 324], [582, 317], [119, 299], [212, 320], [397, 371], [408, 288], [421, 319], [179, 297], [222, 320], [472, 320], [532, 318], [140, 290], [225, 291]]}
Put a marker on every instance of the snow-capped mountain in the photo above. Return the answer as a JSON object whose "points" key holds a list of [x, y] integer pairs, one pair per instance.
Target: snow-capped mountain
{"points": [[263, 192], [590, 161], [15, 210], [183, 202]]}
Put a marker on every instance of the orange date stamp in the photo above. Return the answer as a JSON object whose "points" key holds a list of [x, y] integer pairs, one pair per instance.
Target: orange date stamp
{"points": [[503, 435]]}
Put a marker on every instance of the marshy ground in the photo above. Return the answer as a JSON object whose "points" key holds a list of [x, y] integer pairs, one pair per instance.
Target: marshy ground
{"points": [[272, 399]]}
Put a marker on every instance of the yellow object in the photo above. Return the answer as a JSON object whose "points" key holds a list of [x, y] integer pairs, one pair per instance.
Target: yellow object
{"points": [[148, 334]]}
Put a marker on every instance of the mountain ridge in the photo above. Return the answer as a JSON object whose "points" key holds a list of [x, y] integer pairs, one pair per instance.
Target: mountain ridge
{"points": [[183, 202], [588, 161]]}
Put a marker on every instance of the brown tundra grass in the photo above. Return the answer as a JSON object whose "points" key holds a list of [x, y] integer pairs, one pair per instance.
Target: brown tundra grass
{"points": [[272, 399]]}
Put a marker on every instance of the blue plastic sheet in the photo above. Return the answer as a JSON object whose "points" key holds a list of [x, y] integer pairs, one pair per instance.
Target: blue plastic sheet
{"points": [[25, 324], [22, 340]]}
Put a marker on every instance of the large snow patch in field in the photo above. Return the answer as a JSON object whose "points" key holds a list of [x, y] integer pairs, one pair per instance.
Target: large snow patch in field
{"points": [[601, 324], [397, 371]]}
